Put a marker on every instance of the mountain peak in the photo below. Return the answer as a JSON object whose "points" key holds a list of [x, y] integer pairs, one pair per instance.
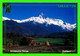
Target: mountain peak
{"points": [[42, 15]]}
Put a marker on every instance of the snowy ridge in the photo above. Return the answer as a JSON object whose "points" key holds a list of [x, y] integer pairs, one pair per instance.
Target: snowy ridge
{"points": [[5, 18], [47, 20]]}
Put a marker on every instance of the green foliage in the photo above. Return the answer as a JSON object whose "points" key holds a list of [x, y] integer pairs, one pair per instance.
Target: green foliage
{"points": [[7, 6], [13, 38]]}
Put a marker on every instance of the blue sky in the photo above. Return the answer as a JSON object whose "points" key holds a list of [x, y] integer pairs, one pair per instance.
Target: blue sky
{"points": [[22, 11]]}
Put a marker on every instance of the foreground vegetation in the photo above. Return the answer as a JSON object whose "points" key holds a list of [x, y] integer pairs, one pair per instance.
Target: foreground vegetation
{"points": [[17, 41]]}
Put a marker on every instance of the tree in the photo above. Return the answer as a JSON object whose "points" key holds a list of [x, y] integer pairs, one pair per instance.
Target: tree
{"points": [[7, 6], [73, 37], [13, 37]]}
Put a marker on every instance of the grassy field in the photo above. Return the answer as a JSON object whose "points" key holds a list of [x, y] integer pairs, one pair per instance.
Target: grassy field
{"points": [[53, 48], [51, 40]]}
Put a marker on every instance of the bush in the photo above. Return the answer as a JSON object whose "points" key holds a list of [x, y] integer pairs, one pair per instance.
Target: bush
{"points": [[25, 41]]}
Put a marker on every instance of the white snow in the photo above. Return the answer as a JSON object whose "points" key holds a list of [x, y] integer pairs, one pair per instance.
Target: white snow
{"points": [[47, 20]]}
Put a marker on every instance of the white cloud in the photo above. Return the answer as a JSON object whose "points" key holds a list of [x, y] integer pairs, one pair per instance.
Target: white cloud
{"points": [[48, 21]]}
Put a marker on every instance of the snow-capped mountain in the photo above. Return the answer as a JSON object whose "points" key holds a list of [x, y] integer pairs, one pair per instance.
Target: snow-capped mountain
{"points": [[40, 24]]}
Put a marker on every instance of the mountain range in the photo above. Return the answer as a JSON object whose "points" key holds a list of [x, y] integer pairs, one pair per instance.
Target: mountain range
{"points": [[40, 25]]}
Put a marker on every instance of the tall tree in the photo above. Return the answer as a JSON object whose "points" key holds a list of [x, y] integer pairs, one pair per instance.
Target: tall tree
{"points": [[7, 6]]}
